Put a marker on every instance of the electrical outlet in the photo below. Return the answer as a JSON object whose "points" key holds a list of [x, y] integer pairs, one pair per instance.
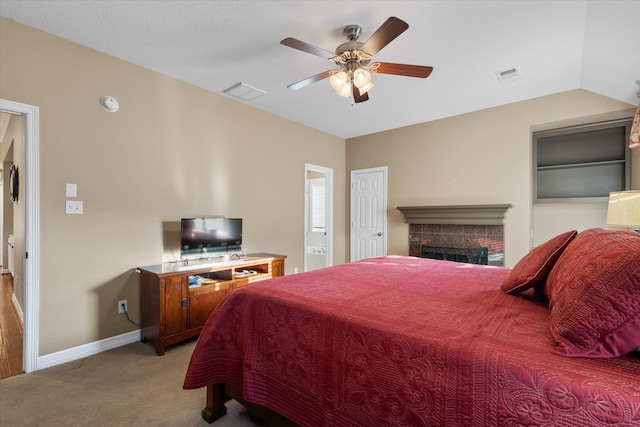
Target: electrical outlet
{"points": [[122, 306], [74, 207]]}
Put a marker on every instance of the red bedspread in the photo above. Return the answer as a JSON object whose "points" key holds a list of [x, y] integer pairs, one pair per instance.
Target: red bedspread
{"points": [[401, 341]]}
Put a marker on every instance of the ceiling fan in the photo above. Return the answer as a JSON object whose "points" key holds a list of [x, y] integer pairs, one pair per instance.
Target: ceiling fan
{"points": [[354, 59]]}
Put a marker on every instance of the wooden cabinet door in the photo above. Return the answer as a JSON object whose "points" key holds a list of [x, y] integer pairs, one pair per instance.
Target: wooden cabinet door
{"points": [[175, 309], [277, 268], [202, 301]]}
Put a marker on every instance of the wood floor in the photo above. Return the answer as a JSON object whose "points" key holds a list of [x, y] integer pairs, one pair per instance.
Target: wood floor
{"points": [[11, 332]]}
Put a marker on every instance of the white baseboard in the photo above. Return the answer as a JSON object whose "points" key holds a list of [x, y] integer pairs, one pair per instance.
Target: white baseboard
{"points": [[85, 350], [18, 309]]}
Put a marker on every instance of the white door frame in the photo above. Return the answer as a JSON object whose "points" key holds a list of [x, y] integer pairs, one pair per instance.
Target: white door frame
{"points": [[384, 171], [31, 314], [328, 172]]}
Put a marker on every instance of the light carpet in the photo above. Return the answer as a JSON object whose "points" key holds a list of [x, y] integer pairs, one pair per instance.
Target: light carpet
{"points": [[126, 386]]}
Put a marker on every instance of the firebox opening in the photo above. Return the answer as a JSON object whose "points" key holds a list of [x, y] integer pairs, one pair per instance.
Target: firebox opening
{"points": [[467, 255], [460, 241]]}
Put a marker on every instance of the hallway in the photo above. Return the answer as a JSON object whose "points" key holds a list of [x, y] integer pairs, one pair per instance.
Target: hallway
{"points": [[11, 332]]}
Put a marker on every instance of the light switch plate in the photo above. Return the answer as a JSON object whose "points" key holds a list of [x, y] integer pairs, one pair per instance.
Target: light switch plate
{"points": [[72, 190], [74, 207]]}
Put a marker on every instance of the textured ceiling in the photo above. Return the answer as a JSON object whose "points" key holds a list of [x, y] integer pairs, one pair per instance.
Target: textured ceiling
{"points": [[555, 45]]}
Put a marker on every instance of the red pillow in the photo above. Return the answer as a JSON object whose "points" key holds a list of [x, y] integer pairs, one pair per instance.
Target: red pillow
{"points": [[594, 295], [534, 267]]}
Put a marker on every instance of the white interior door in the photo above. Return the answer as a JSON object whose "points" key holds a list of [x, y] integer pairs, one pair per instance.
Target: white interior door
{"points": [[318, 217], [368, 213]]}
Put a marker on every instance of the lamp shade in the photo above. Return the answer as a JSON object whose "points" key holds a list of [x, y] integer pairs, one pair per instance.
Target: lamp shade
{"points": [[345, 91], [364, 89], [624, 209], [338, 80], [361, 78]]}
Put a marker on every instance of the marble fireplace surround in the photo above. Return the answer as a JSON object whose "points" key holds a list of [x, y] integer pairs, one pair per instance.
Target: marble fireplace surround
{"points": [[457, 226]]}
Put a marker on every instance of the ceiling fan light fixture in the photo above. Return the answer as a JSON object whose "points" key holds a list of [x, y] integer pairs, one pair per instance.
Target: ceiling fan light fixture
{"points": [[345, 91], [353, 76], [364, 89], [361, 78], [339, 81]]}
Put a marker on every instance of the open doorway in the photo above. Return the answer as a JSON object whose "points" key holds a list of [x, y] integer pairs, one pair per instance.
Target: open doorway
{"points": [[12, 292], [26, 225], [318, 217]]}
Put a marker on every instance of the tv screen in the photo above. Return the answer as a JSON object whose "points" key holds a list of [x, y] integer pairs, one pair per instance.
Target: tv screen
{"points": [[204, 237]]}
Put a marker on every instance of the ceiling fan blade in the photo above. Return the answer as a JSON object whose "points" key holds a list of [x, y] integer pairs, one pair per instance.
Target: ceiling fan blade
{"points": [[388, 31], [310, 80], [401, 69], [306, 47], [356, 94]]}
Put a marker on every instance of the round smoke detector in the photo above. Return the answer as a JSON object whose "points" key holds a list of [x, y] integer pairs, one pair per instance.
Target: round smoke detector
{"points": [[109, 103]]}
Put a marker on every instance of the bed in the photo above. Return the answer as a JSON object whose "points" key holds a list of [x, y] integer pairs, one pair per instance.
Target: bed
{"points": [[405, 341]]}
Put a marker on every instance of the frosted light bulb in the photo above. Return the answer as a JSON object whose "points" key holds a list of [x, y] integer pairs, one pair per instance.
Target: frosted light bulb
{"points": [[338, 80], [361, 78]]}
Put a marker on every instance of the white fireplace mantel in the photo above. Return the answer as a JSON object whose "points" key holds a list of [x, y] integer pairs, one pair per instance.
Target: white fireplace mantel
{"points": [[457, 214]]}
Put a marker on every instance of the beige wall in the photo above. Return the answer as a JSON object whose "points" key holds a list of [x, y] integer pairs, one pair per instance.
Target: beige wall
{"points": [[482, 158], [172, 150]]}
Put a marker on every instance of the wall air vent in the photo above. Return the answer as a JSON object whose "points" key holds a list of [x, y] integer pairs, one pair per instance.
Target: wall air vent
{"points": [[508, 75], [244, 92]]}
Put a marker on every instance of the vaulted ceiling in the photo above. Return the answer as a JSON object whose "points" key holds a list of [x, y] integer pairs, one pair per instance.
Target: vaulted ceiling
{"points": [[552, 46]]}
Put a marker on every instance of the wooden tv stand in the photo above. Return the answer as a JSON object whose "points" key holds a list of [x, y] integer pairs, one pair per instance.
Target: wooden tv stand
{"points": [[172, 309]]}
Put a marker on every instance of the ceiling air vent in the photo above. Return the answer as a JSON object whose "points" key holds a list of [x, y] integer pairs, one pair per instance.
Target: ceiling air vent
{"points": [[508, 75], [244, 92]]}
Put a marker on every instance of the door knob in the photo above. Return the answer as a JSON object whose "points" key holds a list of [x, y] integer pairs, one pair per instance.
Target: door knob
{"points": [[379, 233]]}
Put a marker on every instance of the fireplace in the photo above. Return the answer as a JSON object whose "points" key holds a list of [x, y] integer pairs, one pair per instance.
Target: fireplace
{"points": [[456, 237], [470, 255], [465, 233]]}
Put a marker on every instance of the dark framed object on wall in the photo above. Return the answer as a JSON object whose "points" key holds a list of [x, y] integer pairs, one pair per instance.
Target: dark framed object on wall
{"points": [[14, 183]]}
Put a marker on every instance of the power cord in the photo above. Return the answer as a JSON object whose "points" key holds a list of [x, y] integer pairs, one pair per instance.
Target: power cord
{"points": [[126, 313]]}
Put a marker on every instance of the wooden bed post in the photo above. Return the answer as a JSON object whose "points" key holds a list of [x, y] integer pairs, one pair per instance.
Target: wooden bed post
{"points": [[218, 394], [216, 397]]}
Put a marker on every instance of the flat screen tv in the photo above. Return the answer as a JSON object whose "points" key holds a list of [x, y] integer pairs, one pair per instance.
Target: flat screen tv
{"points": [[208, 237]]}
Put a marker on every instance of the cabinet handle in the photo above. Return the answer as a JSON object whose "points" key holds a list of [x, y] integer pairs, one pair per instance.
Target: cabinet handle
{"points": [[184, 302]]}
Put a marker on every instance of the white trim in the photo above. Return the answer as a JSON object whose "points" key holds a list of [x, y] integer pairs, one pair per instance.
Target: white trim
{"points": [[89, 349], [17, 308], [31, 116]]}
